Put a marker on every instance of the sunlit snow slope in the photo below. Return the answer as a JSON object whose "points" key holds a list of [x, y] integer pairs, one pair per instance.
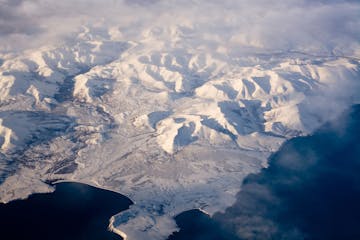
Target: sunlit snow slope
{"points": [[172, 123]]}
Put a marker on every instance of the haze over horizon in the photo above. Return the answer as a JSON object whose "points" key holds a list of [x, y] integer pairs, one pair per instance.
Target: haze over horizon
{"points": [[310, 26]]}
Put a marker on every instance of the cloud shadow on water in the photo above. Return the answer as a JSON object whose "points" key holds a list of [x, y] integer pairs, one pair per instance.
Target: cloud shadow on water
{"points": [[311, 189]]}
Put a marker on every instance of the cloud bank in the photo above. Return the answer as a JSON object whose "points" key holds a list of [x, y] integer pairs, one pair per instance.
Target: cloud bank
{"points": [[313, 26]]}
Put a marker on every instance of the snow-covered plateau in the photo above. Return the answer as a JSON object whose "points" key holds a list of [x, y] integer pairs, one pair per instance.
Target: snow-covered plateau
{"points": [[173, 123]]}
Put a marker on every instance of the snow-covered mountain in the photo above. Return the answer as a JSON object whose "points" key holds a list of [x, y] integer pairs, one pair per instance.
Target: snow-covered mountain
{"points": [[172, 123]]}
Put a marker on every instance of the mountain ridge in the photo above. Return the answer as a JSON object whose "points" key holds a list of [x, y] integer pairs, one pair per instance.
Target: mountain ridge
{"points": [[167, 123]]}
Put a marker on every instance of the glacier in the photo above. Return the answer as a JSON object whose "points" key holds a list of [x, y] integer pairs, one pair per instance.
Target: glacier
{"points": [[172, 123]]}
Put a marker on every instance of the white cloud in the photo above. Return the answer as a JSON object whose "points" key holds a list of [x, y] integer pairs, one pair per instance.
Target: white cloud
{"points": [[322, 26]]}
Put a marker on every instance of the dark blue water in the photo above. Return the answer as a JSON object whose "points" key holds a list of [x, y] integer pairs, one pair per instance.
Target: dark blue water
{"points": [[311, 190], [196, 225], [73, 212]]}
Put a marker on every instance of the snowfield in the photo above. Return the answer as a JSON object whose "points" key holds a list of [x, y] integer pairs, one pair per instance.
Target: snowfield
{"points": [[166, 120]]}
